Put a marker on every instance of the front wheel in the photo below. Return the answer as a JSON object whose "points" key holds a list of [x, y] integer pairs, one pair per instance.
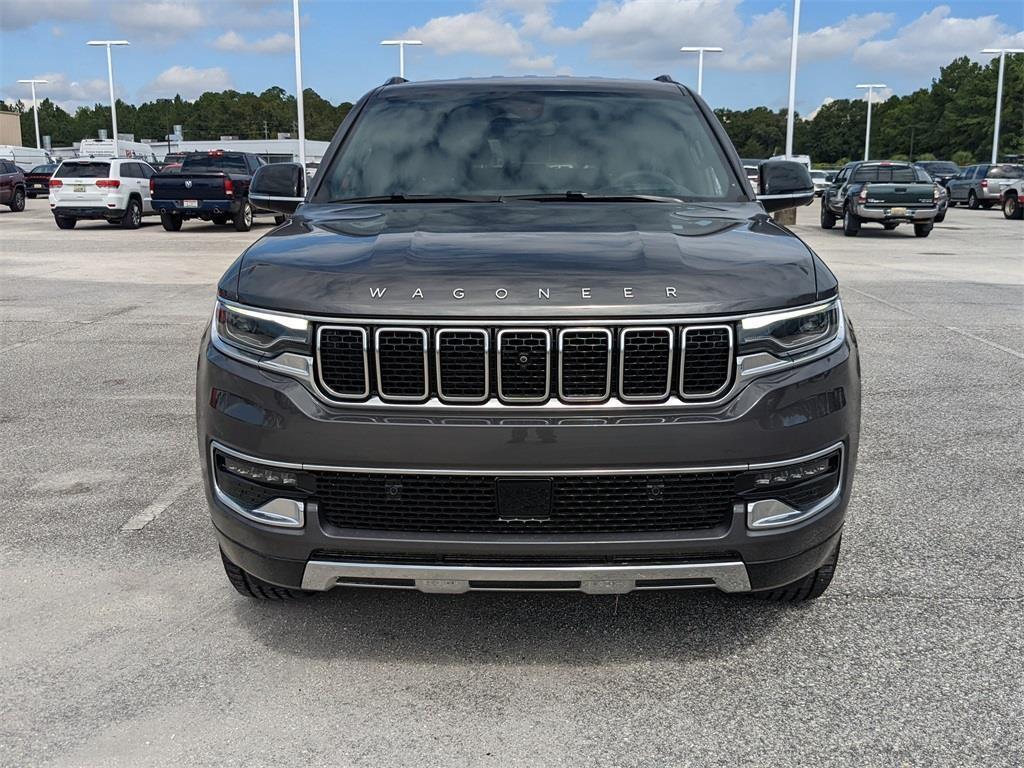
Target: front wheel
{"points": [[250, 586], [1012, 208], [132, 218], [851, 224], [171, 222], [17, 203], [922, 230], [972, 200], [243, 219], [828, 219], [65, 222]]}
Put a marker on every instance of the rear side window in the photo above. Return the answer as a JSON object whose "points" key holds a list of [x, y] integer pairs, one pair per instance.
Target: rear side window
{"points": [[129, 170], [886, 174], [83, 171], [1006, 172]]}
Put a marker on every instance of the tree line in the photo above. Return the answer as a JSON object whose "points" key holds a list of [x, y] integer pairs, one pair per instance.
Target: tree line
{"points": [[951, 119]]}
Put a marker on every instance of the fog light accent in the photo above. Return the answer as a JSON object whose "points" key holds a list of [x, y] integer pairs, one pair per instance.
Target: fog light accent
{"points": [[287, 513], [259, 474], [794, 473]]}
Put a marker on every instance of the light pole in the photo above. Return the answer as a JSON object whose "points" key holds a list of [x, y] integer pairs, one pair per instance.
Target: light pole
{"points": [[35, 106], [790, 117], [867, 132], [401, 52], [700, 50], [999, 95], [110, 77], [298, 88]]}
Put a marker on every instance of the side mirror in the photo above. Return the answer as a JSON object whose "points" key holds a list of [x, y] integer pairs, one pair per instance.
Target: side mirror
{"points": [[278, 187], [784, 184]]}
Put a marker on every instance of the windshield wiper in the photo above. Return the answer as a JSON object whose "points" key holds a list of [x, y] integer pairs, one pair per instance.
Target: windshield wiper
{"points": [[400, 197], [573, 196]]}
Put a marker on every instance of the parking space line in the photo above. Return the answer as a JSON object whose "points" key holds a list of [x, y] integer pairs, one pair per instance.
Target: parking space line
{"points": [[157, 507], [961, 331]]}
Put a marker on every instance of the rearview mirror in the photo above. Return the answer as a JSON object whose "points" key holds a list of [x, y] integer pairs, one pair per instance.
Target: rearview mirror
{"points": [[279, 187], [784, 184]]}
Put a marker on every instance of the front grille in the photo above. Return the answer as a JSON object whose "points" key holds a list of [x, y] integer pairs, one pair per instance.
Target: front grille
{"points": [[516, 561], [577, 504], [524, 366]]}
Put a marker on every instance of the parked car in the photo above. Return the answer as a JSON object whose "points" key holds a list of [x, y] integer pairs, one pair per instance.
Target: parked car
{"points": [[37, 181], [980, 186], [750, 168], [212, 186], [941, 171], [510, 340], [1012, 201], [12, 186], [943, 202], [115, 190], [821, 182], [881, 192]]}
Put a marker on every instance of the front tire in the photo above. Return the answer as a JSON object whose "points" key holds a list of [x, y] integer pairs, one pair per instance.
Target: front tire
{"points": [[940, 218], [171, 222], [851, 224], [828, 220], [17, 203], [922, 230], [1012, 208], [250, 586], [65, 222], [972, 200], [132, 218], [243, 219]]}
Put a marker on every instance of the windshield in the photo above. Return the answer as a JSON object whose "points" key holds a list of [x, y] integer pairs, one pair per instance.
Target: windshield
{"points": [[818, 175], [1006, 172], [83, 171], [43, 169], [495, 142]]}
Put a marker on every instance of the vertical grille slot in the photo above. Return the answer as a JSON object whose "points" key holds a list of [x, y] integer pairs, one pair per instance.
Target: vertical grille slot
{"points": [[645, 363], [524, 366], [463, 364], [402, 363], [341, 360], [584, 364], [706, 360]]}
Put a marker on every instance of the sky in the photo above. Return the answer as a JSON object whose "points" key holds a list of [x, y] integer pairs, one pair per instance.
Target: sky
{"points": [[190, 46]]}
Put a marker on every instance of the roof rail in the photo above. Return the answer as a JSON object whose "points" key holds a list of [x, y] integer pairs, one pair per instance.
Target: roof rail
{"points": [[666, 79], [395, 80]]}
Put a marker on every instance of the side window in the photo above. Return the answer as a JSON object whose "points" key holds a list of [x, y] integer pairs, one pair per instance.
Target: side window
{"points": [[147, 170], [6, 167], [983, 171]]}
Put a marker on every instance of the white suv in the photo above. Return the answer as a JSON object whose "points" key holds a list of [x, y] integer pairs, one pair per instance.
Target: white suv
{"points": [[101, 188]]}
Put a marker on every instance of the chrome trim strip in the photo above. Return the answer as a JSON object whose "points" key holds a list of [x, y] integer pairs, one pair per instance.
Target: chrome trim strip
{"points": [[268, 514], [727, 576], [519, 322], [547, 472], [705, 396], [487, 365], [547, 366], [426, 365], [366, 362], [608, 366], [622, 363], [773, 513]]}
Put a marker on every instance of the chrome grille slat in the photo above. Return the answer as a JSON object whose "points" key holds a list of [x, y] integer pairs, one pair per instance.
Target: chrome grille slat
{"points": [[524, 365], [645, 363], [402, 372], [462, 357], [346, 372], [701, 372], [584, 365]]}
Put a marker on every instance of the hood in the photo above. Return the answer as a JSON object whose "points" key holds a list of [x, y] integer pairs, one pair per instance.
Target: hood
{"points": [[526, 258]]}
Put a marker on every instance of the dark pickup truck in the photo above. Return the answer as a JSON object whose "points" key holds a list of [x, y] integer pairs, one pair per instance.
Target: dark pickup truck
{"points": [[212, 186], [881, 192]]}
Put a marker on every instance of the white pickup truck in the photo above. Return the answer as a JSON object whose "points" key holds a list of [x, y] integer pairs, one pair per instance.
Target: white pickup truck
{"points": [[1011, 199]]}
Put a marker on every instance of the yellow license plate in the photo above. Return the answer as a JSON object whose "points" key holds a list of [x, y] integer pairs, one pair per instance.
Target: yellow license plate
{"points": [[899, 211]]}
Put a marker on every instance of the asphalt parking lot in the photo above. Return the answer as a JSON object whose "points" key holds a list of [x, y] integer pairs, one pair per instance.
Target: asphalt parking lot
{"points": [[123, 644]]}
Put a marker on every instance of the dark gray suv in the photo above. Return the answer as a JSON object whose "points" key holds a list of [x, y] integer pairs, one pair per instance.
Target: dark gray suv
{"points": [[529, 334]]}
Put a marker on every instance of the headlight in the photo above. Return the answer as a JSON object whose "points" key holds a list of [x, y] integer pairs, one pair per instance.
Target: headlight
{"points": [[791, 331], [264, 333]]}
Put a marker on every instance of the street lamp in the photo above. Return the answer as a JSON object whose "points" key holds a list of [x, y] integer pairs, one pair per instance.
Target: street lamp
{"points": [[867, 133], [298, 88], [35, 105], [999, 94], [700, 50], [790, 117], [401, 52], [110, 77]]}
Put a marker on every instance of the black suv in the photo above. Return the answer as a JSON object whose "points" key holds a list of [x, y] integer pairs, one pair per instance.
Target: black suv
{"points": [[529, 334]]}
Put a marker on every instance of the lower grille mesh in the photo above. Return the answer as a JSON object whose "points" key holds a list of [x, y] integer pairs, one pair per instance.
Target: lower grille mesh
{"points": [[579, 504]]}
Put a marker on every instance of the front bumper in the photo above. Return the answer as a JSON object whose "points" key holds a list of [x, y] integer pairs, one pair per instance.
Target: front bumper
{"points": [[892, 214], [776, 418]]}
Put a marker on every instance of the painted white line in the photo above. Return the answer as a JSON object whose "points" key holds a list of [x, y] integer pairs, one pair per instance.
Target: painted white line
{"points": [[158, 507], [954, 329]]}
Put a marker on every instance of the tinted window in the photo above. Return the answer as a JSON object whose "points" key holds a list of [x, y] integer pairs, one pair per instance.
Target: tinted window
{"points": [[234, 163], [147, 170], [1006, 172], [44, 169], [491, 141], [896, 174], [83, 171], [130, 170]]}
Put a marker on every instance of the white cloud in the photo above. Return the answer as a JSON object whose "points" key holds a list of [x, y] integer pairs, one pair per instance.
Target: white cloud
{"points": [[814, 113], [61, 89], [233, 42], [483, 33], [933, 39], [189, 82], [21, 14]]}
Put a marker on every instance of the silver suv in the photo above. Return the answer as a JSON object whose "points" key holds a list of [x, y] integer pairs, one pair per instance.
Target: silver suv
{"points": [[979, 186]]}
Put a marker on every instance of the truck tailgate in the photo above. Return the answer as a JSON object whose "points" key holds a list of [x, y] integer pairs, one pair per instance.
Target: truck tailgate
{"points": [[190, 186], [906, 195]]}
